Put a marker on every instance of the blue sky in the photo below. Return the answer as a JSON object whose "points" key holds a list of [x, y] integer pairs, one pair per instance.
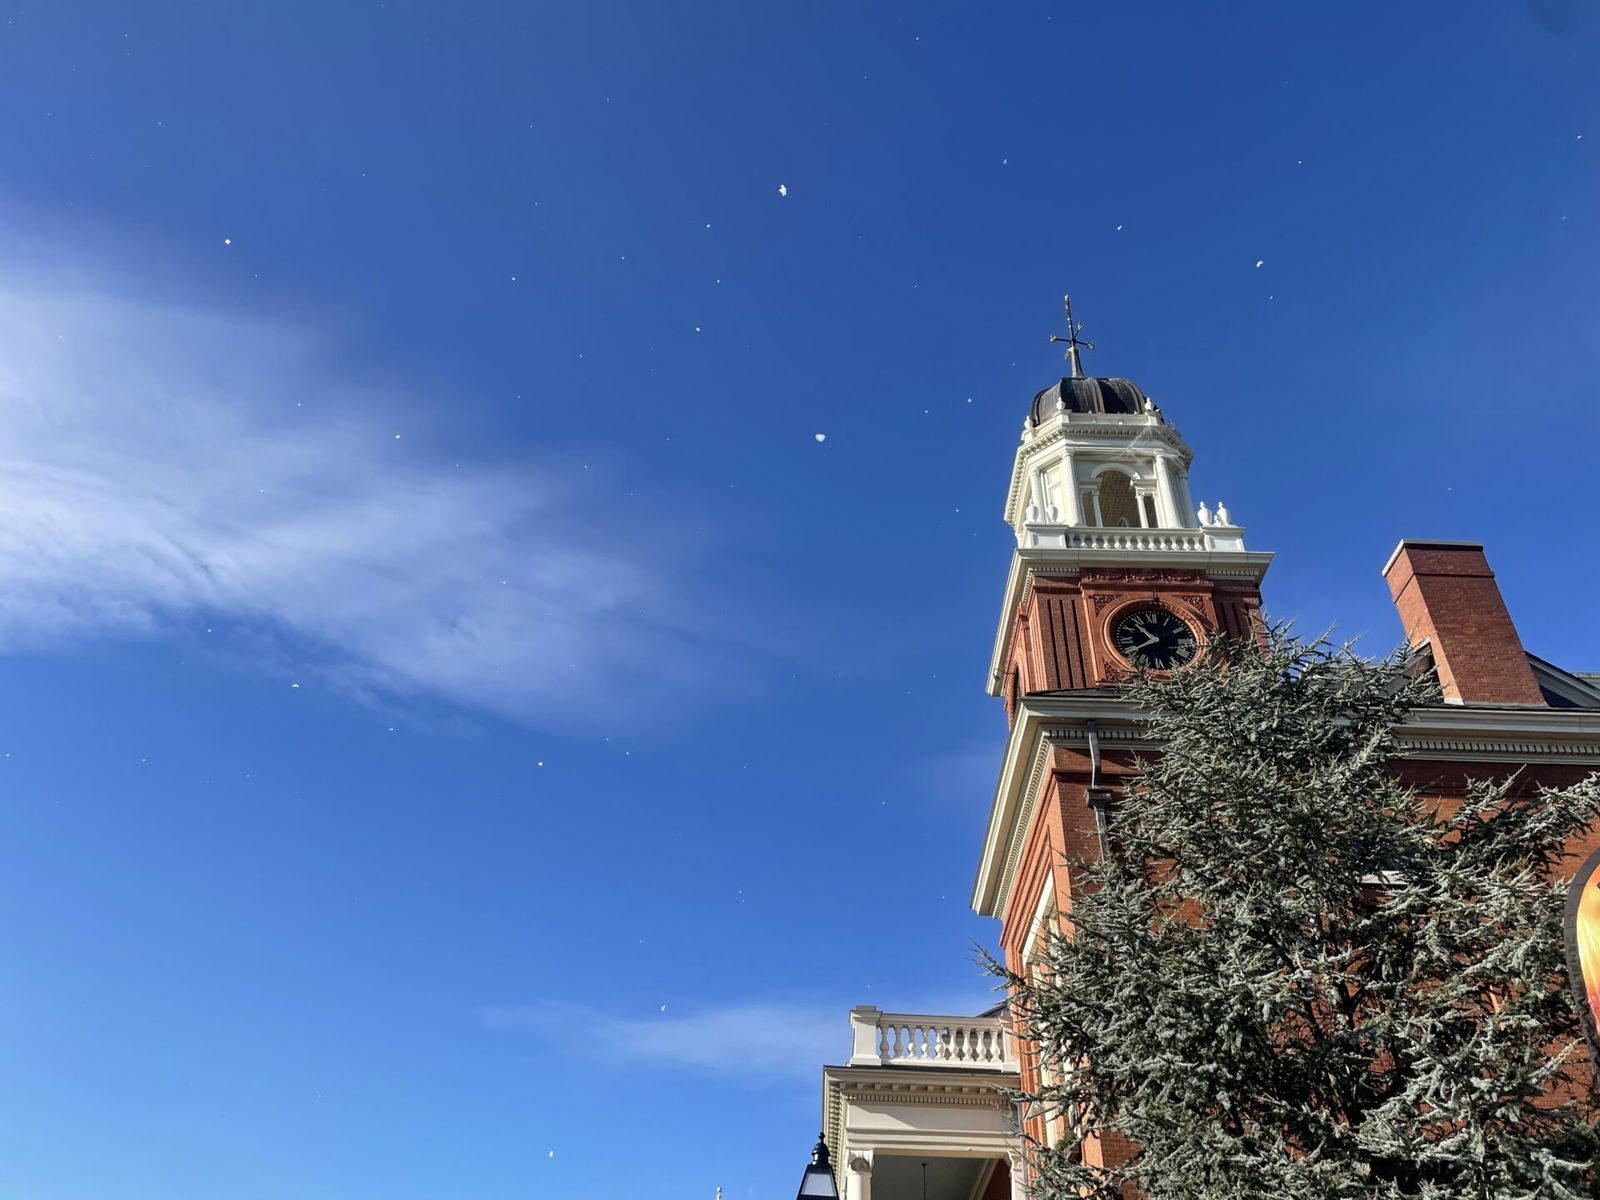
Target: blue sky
{"points": [[464, 736]]}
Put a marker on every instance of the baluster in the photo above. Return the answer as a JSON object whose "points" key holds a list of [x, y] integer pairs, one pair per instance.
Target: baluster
{"points": [[896, 1048]]}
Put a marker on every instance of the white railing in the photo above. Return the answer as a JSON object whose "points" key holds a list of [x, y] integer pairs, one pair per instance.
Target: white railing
{"points": [[1136, 539], [912, 1040]]}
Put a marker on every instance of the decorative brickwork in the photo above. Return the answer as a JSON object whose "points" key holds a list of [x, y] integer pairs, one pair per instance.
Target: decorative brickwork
{"points": [[1062, 637]]}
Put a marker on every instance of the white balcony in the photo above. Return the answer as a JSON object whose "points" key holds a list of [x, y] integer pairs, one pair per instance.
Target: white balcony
{"points": [[913, 1040], [924, 1109]]}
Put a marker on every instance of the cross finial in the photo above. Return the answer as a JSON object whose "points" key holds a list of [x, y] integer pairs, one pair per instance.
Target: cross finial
{"points": [[1072, 340]]}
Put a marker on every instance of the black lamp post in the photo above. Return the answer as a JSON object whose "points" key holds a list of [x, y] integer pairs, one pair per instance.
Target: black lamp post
{"points": [[817, 1183]]}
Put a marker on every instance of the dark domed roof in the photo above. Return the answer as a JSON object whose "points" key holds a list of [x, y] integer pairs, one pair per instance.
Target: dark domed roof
{"points": [[1084, 395]]}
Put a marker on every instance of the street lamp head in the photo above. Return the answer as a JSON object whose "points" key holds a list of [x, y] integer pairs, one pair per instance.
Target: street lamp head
{"points": [[817, 1183]]}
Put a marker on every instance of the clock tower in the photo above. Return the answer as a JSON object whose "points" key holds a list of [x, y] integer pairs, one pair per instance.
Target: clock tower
{"points": [[1116, 568]]}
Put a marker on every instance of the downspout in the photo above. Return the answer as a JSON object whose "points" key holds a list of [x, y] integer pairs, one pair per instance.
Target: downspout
{"points": [[1097, 797]]}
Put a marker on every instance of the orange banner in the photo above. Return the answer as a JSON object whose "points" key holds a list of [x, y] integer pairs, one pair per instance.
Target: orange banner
{"points": [[1583, 947]]}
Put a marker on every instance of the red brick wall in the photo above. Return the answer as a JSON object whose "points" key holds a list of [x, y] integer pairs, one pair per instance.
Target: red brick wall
{"points": [[1060, 640]]}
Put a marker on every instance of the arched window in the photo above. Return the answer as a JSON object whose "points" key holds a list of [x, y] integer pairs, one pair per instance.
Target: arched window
{"points": [[1118, 507]]}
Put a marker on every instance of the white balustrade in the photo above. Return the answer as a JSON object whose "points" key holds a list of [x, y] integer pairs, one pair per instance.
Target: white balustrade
{"points": [[1135, 539], [908, 1039]]}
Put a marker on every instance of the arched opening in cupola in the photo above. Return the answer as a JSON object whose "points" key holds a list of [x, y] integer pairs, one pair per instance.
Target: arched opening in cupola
{"points": [[1116, 504]]}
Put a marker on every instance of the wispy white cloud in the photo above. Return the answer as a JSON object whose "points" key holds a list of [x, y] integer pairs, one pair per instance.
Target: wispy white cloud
{"points": [[755, 1042], [161, 466]]}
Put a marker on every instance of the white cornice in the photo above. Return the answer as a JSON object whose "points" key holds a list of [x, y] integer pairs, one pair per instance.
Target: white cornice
{"points": [[1042, 722], [1519, 734], [921, 1085], [1446, 733], [926, 1084], [1233, 566]]}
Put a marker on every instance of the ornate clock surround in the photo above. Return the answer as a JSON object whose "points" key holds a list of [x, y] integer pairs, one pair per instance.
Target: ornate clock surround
{"points": [[1063, 633], [1111, 593]]}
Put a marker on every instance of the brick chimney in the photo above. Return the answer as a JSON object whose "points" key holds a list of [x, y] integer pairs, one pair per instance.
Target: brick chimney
{"points": [[1448, 600]]}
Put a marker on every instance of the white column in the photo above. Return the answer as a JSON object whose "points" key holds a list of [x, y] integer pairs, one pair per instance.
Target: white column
{"points": [[1018, 1163], [1172, 517], [1072, 509], [858, 1180], [1182, 500], [1036, 510]]}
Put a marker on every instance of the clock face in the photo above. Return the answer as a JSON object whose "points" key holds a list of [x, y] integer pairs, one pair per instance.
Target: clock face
{"points": [[1154, 639]]}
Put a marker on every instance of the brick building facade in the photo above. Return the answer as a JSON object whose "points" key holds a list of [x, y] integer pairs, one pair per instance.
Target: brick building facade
{"points": [[1115, 568]]}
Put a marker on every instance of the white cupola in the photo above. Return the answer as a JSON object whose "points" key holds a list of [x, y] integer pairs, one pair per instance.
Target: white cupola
{"points": [[1101, 468]]}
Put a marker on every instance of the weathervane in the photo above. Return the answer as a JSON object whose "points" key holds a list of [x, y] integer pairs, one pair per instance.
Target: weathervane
{"points": [[1072, 340]]}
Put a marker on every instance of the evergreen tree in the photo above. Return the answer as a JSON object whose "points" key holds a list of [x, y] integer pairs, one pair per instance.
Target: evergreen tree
{"points": [[1291, 976]]}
